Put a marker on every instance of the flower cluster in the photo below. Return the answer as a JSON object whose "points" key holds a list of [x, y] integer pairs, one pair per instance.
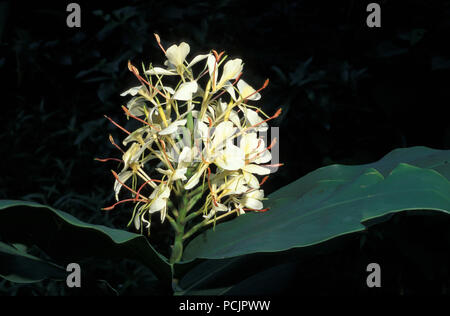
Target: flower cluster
{"points": [[201, 143]]}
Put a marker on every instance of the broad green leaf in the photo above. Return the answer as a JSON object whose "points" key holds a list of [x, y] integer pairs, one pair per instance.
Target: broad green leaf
{"points": [[333, 201], [66, 238], [16, 265]]}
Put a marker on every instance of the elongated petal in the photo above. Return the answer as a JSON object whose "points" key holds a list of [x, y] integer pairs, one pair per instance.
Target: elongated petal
{"points": [[137, 221], [211, 62], [133, 91], [161, 71], [230, 89], [123, 177], [193, 181], [252, 168], [197, 59]]}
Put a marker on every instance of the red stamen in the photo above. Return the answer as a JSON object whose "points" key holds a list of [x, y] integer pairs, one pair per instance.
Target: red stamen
{"points": [[210, 187], [123, 201], [138, 119], [210, 122], [123, 129], [263, 180], [135, 71], [159, 42], [111, 139], [277, 113], [274, 141], [165, 154], [108, 159], [253, 210]]}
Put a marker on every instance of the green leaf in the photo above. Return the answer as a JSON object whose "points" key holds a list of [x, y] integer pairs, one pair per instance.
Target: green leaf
{"points": [[66, 238], [16, 265], [333, 201]]}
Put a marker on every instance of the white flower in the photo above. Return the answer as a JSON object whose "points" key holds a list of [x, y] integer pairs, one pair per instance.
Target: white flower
{"points": [[184, 160], [215, 209], [176, 56], [159, 198], [231, 70]]}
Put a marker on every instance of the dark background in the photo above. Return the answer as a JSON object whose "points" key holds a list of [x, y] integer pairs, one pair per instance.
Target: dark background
{"points": [[349, 93]]}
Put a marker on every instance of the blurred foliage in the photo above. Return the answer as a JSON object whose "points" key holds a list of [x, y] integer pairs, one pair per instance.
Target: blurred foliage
{"points": [[350, 94]]}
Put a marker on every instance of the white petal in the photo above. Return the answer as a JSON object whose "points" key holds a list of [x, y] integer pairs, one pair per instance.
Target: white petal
{"points": [[177, 54], [133, 91], [179, 174], [195, 178], [211, 62], [234, 117], [222, 133], [263, 157], [137, 222], [253, 203], [249, 143], [185, 156], [231, 70], [230, 89], [157, 205], [123, 177], [172, 127], [185, 91], [168, 89], [247, 92], [252, 168], [197, 59], [251, 180], [253, 118], [160, 71]]}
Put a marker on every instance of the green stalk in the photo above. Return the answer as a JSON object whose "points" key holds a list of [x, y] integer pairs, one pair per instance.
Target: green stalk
{"points": [[177, 249]]}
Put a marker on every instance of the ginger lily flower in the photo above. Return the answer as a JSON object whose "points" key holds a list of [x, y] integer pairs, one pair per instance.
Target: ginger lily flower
{"points": [[200, 143], [159, 199], [231, 70]]}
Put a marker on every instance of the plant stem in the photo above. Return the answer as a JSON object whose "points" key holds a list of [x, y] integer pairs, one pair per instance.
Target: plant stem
{"points": [[177, 249]]}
